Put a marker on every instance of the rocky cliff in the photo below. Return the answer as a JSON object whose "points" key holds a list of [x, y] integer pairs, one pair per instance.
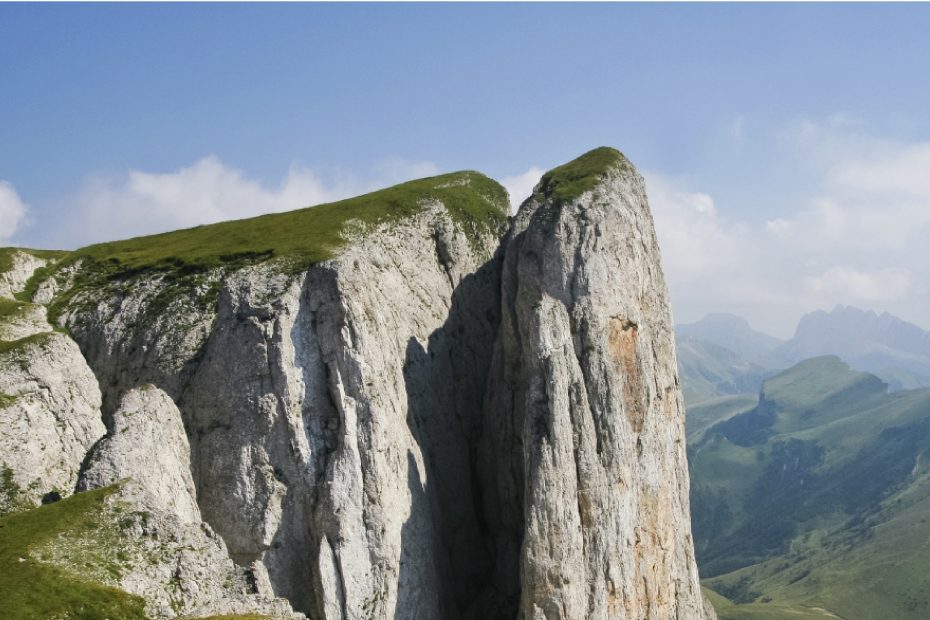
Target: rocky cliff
{"points": [[585, 416], [392, 407]]}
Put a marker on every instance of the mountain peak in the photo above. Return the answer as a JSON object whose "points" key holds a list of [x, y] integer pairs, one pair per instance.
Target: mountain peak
{"points": [[864, 338], [571, 180], [730, 332]]}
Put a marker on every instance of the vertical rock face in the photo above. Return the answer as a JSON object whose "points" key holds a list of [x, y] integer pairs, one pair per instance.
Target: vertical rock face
{"points": [[333, 415], [587, 478], [147, 444], [428, 424], [49, 417]]}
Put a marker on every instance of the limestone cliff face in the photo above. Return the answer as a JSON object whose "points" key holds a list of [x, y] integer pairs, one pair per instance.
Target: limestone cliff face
{"points": [[186, 569], [49, 399], [332, 414], [49, 419], [585, 421], [441, 420]]}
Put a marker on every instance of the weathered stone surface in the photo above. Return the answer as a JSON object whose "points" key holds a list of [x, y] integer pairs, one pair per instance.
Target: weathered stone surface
{"points": [[332, 415], [23, 265], [585, 452], [147, 444], [181, 566], [427, 425], [22, 321], [49, 418]]}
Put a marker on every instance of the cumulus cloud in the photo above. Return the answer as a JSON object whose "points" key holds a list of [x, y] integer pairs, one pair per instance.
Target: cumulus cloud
{"points": [[857, 234], [695, 240], [12, 212], [845, 283], [207, 191], [204, 192], [521, 186]]}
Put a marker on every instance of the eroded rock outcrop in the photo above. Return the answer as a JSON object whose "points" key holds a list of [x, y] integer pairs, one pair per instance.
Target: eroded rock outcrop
{"points": [[19, 268], [332, 413], [184, 567], [49, 417], [432, 421], [585, 450]]}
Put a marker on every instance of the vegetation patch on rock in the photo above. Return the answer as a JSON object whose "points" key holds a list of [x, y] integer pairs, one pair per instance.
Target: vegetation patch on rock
{"points": [[195, 259], [38, 590], [571, 180]]}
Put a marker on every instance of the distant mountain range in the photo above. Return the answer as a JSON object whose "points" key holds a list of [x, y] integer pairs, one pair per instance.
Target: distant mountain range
{"points": [[864, 339], [814, 498], [733, 333], [708, 370], [721, 354]]}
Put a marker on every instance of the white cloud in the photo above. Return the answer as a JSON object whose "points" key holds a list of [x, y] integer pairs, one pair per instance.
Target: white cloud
{"points": [[695, 242], [207, 191], [12, 211], [737, 127], [846, 284], [778, 226], [873, 196], [395, 170], [856, 235], [204, 192], [521, 186]]}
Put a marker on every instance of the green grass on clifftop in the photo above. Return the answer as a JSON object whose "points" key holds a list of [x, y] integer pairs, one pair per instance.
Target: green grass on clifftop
{"points": [[32, 590], [235, 617], [308, 235], [571, 180], [190, 261], [6, 256]]}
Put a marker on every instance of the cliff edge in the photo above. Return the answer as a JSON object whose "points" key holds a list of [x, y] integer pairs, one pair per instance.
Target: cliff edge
{"points": [[393, 407]]}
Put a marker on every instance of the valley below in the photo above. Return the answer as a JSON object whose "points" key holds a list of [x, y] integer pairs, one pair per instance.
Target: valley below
{"points": [[810, 495]]}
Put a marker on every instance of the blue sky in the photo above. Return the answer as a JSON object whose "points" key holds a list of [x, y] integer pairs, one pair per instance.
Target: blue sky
{"points": [[784, 145]]}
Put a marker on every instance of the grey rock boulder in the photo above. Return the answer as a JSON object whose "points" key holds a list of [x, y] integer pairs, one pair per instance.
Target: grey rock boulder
{"points": [[146, 443]]}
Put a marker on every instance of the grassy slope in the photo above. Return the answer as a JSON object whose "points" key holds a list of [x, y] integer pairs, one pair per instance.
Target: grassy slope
{"points": [[31, 590], [294, 240], [709, 371], [833, 504], [307, 235], [571, 180], [6, 256], [727, 610], [879, 568], [705, 414]]}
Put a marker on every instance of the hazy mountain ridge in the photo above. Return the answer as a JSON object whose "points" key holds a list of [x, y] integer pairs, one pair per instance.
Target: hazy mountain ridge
{"points": [[708, 370], [722, 355], [865, 339], [733, 333]]}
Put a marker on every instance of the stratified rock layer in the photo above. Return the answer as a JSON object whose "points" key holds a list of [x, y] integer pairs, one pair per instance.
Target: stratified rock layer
{"points": [[585, 423]]}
